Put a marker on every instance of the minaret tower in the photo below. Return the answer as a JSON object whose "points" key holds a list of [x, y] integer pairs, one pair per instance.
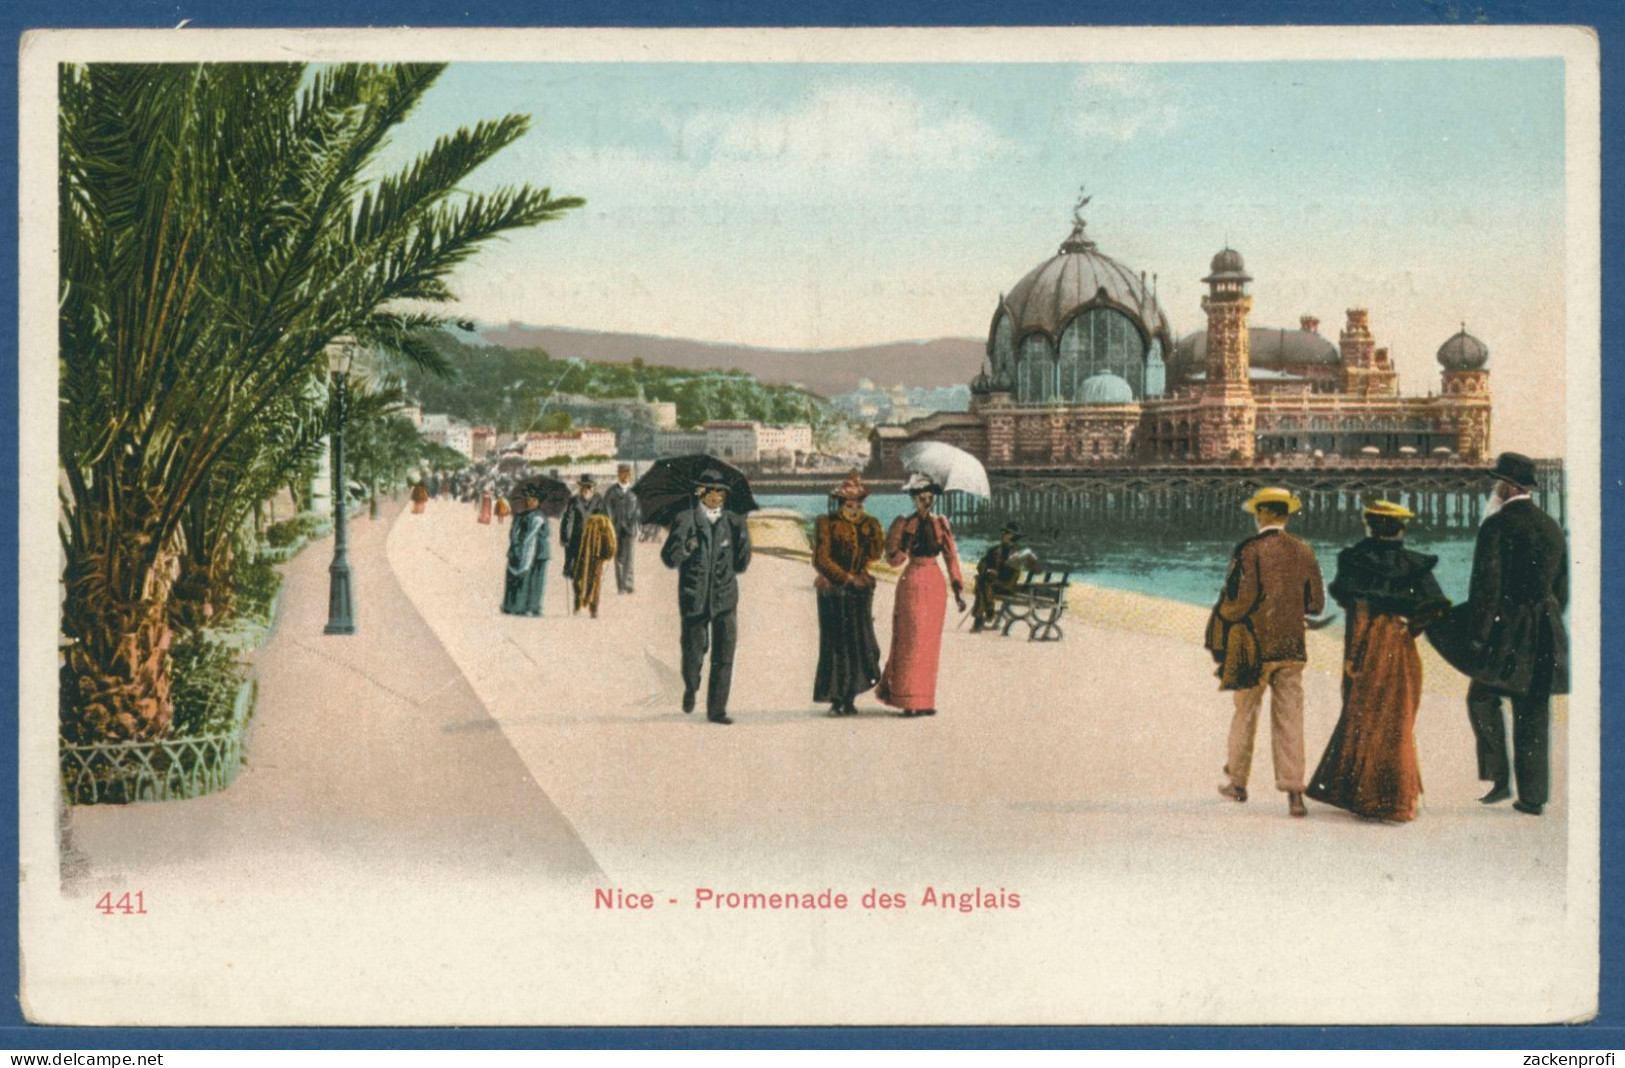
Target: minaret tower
{"points": [[1464, 381], [1227, 413], [1367, 371]]}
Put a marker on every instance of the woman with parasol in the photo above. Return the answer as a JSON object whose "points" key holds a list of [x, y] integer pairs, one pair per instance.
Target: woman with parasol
{"points": [[910, 679], [846, 542]]}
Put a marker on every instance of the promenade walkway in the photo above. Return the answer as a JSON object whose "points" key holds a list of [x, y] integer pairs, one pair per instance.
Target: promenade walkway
{"points": [[361, 753], [433, 807], [1099, 754]]}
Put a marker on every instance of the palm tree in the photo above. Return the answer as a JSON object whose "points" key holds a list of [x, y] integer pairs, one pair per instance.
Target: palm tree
{"points": [[218, 226]]}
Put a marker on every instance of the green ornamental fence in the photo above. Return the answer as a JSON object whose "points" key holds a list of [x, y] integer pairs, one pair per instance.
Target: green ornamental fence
{"points": [[171, 769], [174, 769]]}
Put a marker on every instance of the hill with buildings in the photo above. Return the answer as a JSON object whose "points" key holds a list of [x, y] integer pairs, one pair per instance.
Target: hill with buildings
{"points": [[940, 362], [518, 390]]}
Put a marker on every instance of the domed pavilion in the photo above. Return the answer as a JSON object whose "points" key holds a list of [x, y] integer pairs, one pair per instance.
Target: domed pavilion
{"points": [[1083, 370]]}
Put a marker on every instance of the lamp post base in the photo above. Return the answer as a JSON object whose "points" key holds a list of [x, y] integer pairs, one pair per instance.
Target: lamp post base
{"points": [[339, 618]]}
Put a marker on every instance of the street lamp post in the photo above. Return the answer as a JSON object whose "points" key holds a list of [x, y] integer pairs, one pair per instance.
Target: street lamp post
{"points": [[340, 620]]}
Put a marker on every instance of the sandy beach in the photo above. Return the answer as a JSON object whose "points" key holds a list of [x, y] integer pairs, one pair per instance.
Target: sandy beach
{"points": [[442, 812]]}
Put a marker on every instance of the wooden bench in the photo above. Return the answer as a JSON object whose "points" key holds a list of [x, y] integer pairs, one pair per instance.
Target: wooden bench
{"points": [[1037, 602]]}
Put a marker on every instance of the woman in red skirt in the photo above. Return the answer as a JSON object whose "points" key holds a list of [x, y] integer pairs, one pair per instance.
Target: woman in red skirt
{"points": [[910, 679]]}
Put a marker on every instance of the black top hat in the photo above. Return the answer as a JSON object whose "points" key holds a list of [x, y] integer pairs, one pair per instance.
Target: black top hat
{"points": [[1516, 468], [586, 480]]}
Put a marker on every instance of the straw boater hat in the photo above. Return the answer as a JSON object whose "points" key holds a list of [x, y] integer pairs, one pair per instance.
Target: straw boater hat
{"points": [[1272, 495], [1389, 510], [852, 489]]}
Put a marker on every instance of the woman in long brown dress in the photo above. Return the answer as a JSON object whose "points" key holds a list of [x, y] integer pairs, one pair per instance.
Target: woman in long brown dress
{"points": [[910, 679], [1388, 595], [845, 544]]}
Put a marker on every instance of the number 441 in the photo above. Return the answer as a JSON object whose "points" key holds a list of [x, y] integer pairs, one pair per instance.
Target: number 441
{"points": [[126, 905]]}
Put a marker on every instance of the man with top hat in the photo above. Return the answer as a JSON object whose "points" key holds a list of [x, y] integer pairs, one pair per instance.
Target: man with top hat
{"points": [[1510, 638], [997, 573], [708, 547], [572, 532], [625, 514], [1273, 583]]}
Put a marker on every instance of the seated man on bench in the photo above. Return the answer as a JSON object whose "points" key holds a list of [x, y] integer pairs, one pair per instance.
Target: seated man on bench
{"points": [[998, 573]]}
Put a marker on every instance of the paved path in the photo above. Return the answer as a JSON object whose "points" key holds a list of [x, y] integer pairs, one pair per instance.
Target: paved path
{"points": [[368, 748], [1098, 754], [394, 852]]}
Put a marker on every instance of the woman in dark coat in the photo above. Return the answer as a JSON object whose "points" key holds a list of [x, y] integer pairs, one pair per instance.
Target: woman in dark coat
{"points": [[846, 543], [1389, 595], [528, 552]]}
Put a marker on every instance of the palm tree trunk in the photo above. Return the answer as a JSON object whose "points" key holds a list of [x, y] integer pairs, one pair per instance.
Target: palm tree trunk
{"points": [[116, 669]]}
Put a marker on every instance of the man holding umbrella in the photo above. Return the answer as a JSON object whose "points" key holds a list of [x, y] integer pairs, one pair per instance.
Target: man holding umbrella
{"points": [[709, 546]]}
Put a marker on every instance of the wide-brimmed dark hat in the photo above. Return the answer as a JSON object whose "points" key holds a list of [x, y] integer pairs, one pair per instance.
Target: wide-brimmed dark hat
{"points": [[711, 479], [1013, 529], [1514, 467]]}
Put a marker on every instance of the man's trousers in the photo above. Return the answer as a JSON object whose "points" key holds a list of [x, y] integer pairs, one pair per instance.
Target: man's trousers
{"points": [[1531, 731], [1284, 680], [720, 633]]}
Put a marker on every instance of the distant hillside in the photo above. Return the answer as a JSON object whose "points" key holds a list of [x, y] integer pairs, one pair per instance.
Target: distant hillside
{"points": [[941, 362]]}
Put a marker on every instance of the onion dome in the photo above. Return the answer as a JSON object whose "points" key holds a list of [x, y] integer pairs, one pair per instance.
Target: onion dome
{"points": [[1269, 347], [1078, 277], [1106, 388], [1463, 352], [1227, 266]]}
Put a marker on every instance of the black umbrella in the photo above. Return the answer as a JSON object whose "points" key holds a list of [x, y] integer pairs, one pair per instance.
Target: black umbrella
{"points": [[666, 490], [550, 492]]}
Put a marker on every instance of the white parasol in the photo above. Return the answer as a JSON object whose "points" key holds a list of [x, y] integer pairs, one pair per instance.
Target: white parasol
{"points": [[950, 467]]}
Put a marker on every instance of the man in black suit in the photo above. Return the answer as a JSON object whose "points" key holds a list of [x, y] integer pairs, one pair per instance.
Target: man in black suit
{"points": [[1517, 644], [709, 546]]}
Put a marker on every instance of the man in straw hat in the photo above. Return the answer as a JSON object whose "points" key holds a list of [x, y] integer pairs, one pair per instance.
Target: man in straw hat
{"points": [[1510, 638], [708, 546], [1273, 583]]}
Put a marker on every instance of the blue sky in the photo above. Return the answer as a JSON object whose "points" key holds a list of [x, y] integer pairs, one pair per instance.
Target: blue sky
{"points": [[814, 205]]}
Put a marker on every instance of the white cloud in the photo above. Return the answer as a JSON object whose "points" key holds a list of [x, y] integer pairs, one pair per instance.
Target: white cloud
{"points": [[838, 133], [1120, 103]]}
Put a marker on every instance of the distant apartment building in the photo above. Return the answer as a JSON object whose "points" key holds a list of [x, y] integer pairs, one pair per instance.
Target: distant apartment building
{"points": [[791, 439], [739, 442], [588, 441], [485, 442], [680, 442], [446, 430], [413, 413], [635, 421], [734, 442]]}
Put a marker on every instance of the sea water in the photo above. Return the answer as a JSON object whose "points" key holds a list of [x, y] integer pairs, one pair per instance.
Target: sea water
{"points": [[1181, 569]]}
